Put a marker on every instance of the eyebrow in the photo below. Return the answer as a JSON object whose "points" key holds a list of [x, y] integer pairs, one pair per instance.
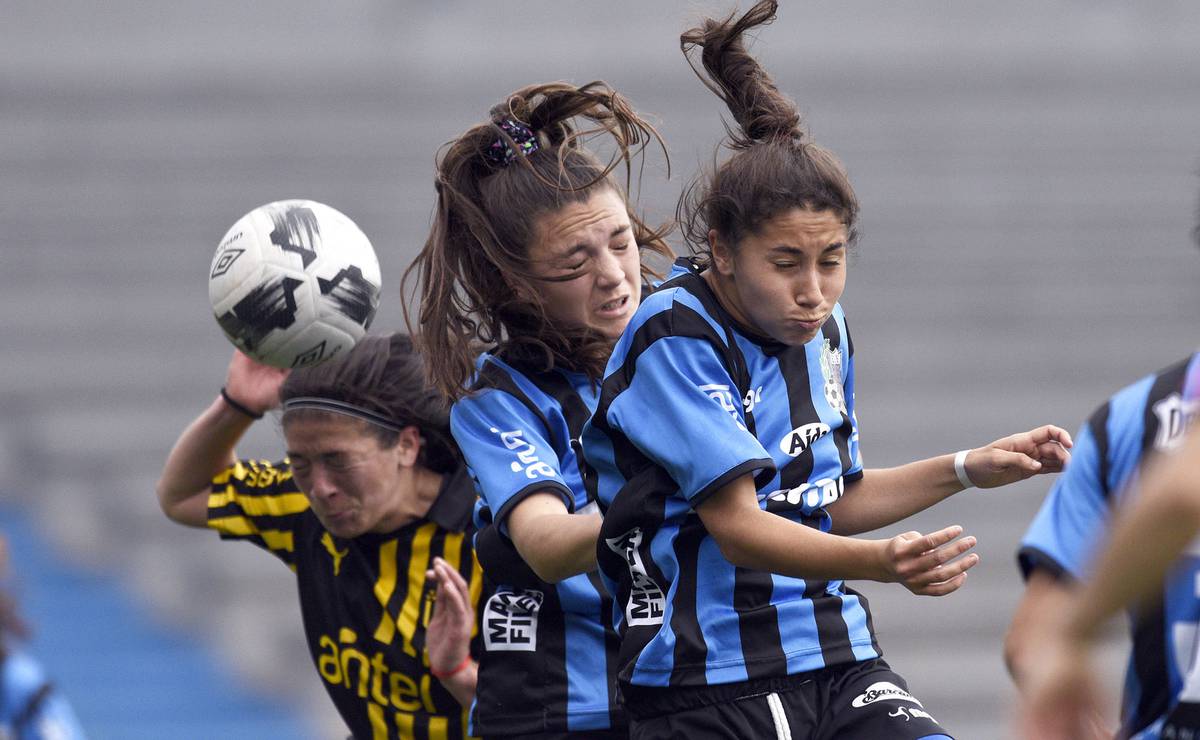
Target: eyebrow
{"points": [[833, 247], [581, 246]]}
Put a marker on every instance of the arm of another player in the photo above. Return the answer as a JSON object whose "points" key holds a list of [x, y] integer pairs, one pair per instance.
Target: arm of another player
{"points": [[885, 496], [753, 538], [1060, 689], [205, 447], [448, 636], [554, 542]]}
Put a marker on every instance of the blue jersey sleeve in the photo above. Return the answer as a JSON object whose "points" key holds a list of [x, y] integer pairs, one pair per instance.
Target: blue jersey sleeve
{"points": [[854, 472], [31, 709], [506, 448], [682, 410], [1073, 517]]}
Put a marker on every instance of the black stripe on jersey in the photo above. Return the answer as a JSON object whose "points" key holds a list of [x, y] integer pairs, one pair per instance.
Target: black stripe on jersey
{"points": [[689, 639], [576, 414], [832, 632], [1098, 424], [1149, 659], [612, 649], [758, 623], [841, 437]]}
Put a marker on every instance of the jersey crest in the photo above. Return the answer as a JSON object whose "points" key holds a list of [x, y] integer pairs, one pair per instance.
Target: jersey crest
{"points": [[831, 369]]}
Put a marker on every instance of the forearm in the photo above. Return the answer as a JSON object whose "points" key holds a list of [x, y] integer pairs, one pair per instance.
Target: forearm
{"points": [[885, 496], [461, 685], [204, 448], [758, 540], [558, 545]]}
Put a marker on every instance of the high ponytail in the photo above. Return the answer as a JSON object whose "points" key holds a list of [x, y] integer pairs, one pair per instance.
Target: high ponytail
{"points": [[476, 283], [775, 166]]}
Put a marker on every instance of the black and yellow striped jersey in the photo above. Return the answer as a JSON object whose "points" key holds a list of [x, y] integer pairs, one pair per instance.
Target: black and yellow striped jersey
{"points": [[365, 601]]}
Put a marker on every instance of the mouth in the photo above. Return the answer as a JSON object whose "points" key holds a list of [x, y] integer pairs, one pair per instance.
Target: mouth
{"points": [[810, 324], [615, 307]]}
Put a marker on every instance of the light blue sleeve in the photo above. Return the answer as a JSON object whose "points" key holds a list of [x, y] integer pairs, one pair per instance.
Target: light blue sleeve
{"points": [[53, 718], [684, 412], [506, 448], [1072, 519]]}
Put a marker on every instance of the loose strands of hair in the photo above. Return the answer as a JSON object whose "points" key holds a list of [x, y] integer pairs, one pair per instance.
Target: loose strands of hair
{"points": [[476, 285], [774, 166]]}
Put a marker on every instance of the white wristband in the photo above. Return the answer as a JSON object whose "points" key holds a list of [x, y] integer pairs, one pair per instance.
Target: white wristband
{"points": [[960, 469]]}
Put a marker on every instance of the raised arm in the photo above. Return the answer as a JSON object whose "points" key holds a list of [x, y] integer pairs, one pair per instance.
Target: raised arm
{"points": [[885, 496], [206, 446]]}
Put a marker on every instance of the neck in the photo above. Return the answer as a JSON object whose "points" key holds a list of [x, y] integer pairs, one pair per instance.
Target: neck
{"points": [[726, 293], [414, 503]]}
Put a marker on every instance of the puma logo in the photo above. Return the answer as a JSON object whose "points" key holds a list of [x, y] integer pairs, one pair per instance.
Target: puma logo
{"points": [[327, 541]]}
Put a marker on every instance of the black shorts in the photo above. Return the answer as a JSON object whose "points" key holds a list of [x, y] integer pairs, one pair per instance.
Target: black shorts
{"points": [[863, 701]]}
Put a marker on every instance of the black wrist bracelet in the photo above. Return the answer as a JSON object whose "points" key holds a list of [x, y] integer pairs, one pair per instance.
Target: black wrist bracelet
{"points": [[237, 406]]}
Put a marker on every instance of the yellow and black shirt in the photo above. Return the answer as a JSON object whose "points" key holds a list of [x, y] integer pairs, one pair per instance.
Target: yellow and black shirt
{"points": [[365, 601]]}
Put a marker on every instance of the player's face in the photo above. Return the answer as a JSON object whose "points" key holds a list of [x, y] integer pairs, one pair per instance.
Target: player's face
{"points": [[353, 483], [783, 280], [594, 239]]}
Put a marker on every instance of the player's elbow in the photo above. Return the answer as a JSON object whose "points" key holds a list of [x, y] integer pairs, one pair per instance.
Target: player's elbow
{"points": [[1013, 646], [189, 510]]}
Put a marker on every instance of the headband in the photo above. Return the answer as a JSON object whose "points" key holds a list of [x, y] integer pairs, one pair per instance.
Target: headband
{"points": [[341, 407], [500, 153]]}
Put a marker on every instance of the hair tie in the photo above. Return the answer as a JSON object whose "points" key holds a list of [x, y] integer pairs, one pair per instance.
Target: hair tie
{"points": [[341, 407], [500, 153]]}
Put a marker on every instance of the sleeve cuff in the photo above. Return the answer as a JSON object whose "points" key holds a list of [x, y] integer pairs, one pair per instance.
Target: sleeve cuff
{"points": [[746, 468], [549, 486], [1031, 558]]}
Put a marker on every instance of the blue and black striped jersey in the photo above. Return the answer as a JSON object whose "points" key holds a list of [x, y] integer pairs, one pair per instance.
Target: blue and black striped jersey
{"points": [[550, 650], [1140, 419], [365, 601], [691, 402]]}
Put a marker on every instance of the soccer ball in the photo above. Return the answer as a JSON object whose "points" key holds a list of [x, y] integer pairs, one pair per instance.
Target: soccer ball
{"points": [[294, 283]]}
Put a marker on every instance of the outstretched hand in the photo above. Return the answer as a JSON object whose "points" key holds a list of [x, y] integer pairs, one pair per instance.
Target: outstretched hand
{"points": [[929, 565], [252, 384], [1019, 456], [448, 636]]}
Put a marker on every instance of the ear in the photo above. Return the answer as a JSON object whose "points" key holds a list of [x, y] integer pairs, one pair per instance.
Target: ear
{"points": [[722, 255], [409, 446]]}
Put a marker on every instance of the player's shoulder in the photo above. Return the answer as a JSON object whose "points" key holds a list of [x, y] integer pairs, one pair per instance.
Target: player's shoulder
{"points": [[252, 476]]}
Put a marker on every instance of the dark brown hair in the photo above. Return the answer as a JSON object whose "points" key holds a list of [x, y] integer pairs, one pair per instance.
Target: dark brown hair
{"points": [[385, 375], [477, 285], [774, 167]]}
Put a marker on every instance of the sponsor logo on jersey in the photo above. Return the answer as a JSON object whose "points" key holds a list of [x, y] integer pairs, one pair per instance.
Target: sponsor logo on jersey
{"points": [[909, 713], [336, 554], [343, 663], [831, 370], [883, 691], [809, 496], [725, 399], [795, 442], [752, 398], [527, 461], [646, 600], [510, 620], [1175, 415]]}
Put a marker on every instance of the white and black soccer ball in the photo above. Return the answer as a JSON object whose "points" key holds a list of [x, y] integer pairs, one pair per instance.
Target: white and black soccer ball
{"points": [[294, 283]]}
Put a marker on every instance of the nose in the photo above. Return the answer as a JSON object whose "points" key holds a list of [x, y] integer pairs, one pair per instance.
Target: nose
{"points": [[808, 289], [320, 484], [609, 270]]}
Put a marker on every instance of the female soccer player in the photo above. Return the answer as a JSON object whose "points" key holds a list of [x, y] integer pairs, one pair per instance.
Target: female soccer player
{"points": [[1147, 548], [536, 252], [371, 510], [727, 452]]}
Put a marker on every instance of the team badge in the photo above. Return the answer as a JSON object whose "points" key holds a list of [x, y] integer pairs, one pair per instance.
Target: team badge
{"points": [[831, 369]]}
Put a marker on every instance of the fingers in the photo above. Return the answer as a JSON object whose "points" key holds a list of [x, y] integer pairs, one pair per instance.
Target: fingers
{"points": [[452, 590], [915, 544], [941, 567]]}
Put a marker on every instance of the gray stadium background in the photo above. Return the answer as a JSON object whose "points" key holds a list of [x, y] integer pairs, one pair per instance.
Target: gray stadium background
{"points": [[1027, 172]]}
